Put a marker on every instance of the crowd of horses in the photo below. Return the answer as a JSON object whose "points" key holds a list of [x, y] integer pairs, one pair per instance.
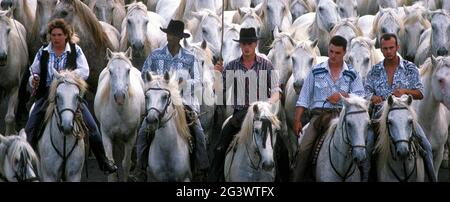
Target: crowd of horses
{"points": [[117, 36]]}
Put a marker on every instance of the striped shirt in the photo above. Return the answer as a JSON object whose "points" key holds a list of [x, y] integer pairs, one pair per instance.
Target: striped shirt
{"points": [[59, 63], [261, 77], [319, 85]]}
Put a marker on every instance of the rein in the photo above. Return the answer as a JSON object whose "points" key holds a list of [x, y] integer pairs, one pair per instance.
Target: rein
{"points": [[21, 174], [161, 113]]}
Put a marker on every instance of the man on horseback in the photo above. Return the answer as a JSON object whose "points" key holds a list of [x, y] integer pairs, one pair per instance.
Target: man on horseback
{"points": [[395, 76], [321, 96], [60, 54], [249, 62], [172, 57]]}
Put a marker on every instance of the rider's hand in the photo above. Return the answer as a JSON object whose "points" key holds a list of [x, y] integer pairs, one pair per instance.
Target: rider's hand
{"points": [[219, 66], [35, 81], [376, 99], [334, 99], [298, 128], [399, 92]]}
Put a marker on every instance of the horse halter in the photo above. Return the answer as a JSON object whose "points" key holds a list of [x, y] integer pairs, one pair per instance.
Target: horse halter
{"points": [[60, 111], [163, 112], [389, 130], [21, 173], [346, 139], [266, 125]]}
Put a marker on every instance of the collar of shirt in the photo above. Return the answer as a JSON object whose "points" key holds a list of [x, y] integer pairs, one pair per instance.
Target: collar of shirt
{"points": [[49, 48], [258, 60], [327, 67], [179, 54], [401, 62]]}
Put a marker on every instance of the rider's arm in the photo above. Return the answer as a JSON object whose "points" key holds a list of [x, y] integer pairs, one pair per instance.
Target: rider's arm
{"points": [[35, 67], [82, 64]]}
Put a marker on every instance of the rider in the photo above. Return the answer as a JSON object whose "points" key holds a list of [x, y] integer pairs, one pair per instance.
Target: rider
{"points": [[395, 76], [60, 54], [249, 62], [321, 93], [172, 57]]}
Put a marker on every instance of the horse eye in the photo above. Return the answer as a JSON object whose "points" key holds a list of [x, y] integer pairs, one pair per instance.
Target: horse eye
{"points": [[320, 9], [64, 13], [366, 60], [129, 21], [389, 122]]}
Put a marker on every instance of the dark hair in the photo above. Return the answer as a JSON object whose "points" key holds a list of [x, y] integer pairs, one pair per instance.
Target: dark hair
{"points": [[61, 24], [387, 36], [339, 41]]}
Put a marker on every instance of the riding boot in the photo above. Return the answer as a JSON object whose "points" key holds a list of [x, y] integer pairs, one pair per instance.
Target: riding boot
{"points": [[427, 154], [143, 141], [95, 140]]}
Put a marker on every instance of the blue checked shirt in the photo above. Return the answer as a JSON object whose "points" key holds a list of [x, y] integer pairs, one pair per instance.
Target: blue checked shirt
{"points": [[406, 76], [59, 63], [319, 86], [161, 61]]}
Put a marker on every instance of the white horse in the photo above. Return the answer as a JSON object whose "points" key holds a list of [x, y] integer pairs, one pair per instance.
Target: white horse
{"points": [[300, 7], [347, 8], [433, 111], [282, 44], [206, 25], [13, 62], [165, 9], [344, 147], [387, 20], [348, 29], [414, 25], [18, 161], [250, 157], [398, 158], [230, 49], [110, 11], [362, 55], [141, 31], [23, 11], [119, 105], [235, 4], [168, 158], [61, 147], [319, 24], [365, 23], [273, 14], [435, 42], [38, 33]]}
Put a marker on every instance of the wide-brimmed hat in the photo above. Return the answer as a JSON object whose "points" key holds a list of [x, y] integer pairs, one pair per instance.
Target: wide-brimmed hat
{"points": [[176, 28], [247, 35]]}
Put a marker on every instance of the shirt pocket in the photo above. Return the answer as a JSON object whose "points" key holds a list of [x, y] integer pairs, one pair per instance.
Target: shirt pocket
{"points": [[322, 89]]}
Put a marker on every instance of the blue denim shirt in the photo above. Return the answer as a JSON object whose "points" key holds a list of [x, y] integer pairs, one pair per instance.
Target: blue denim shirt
{"points": [[319, 86]]}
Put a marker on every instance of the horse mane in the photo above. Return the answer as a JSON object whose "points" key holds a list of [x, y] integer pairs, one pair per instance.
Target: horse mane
{"points": [[426, 68], [172, 86], [16, 146], [179, 13], [252, 13], [66, 76], [417, 17], [284, 35], [87, 16], [246, 131], [383, 144], [347, 22]]}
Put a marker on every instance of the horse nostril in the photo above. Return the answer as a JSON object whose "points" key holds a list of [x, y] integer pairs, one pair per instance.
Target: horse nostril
{"points": [[442, 52], [268, 165], [138, 46], [6, 4]]}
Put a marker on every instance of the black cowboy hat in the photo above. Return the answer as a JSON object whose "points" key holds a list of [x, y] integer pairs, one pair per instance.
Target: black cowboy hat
{"points": [[247, 35], [176, 28]]}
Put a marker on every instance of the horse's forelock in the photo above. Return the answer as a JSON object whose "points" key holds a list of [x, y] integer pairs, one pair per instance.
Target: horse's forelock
{"points": [[264, 109]]}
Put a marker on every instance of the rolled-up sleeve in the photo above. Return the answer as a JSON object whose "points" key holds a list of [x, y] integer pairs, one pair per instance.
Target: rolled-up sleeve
{"points": [[274, 81], [369, 89], [306, 94], [82, 64], [416, 84], [35, 67], [357, 87]]}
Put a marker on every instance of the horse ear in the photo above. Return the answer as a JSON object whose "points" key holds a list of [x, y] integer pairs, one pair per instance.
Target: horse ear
{"points": [[22, 134], [255, 109], [259, 9], [129, 53], [241, 12], [390, 100], [56, 74], [108, 53], [147, 77], [314, 43], [204, 44], [433, 61], [410, 99], [167, 76]]}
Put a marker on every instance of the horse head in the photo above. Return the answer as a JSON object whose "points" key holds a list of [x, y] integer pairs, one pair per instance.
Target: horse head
{"points": [[5, 31], [347, 8], [119, 67], [327, 15], [361, 55], [303, 58], [355, 122], [136, 26], [440, 84], [440, 31], [18, 161]]}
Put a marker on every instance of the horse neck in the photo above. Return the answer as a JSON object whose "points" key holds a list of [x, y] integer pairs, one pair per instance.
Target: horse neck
{"points": [[339, 149], [168, 135]]}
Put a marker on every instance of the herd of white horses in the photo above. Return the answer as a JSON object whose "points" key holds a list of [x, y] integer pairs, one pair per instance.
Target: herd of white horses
{"points": [[117, 36]]}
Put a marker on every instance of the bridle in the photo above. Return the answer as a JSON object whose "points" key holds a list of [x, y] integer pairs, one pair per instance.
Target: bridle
{"points": [[411, 146], [21, 173], [266, 125], [161, 113], [349, 171]]}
